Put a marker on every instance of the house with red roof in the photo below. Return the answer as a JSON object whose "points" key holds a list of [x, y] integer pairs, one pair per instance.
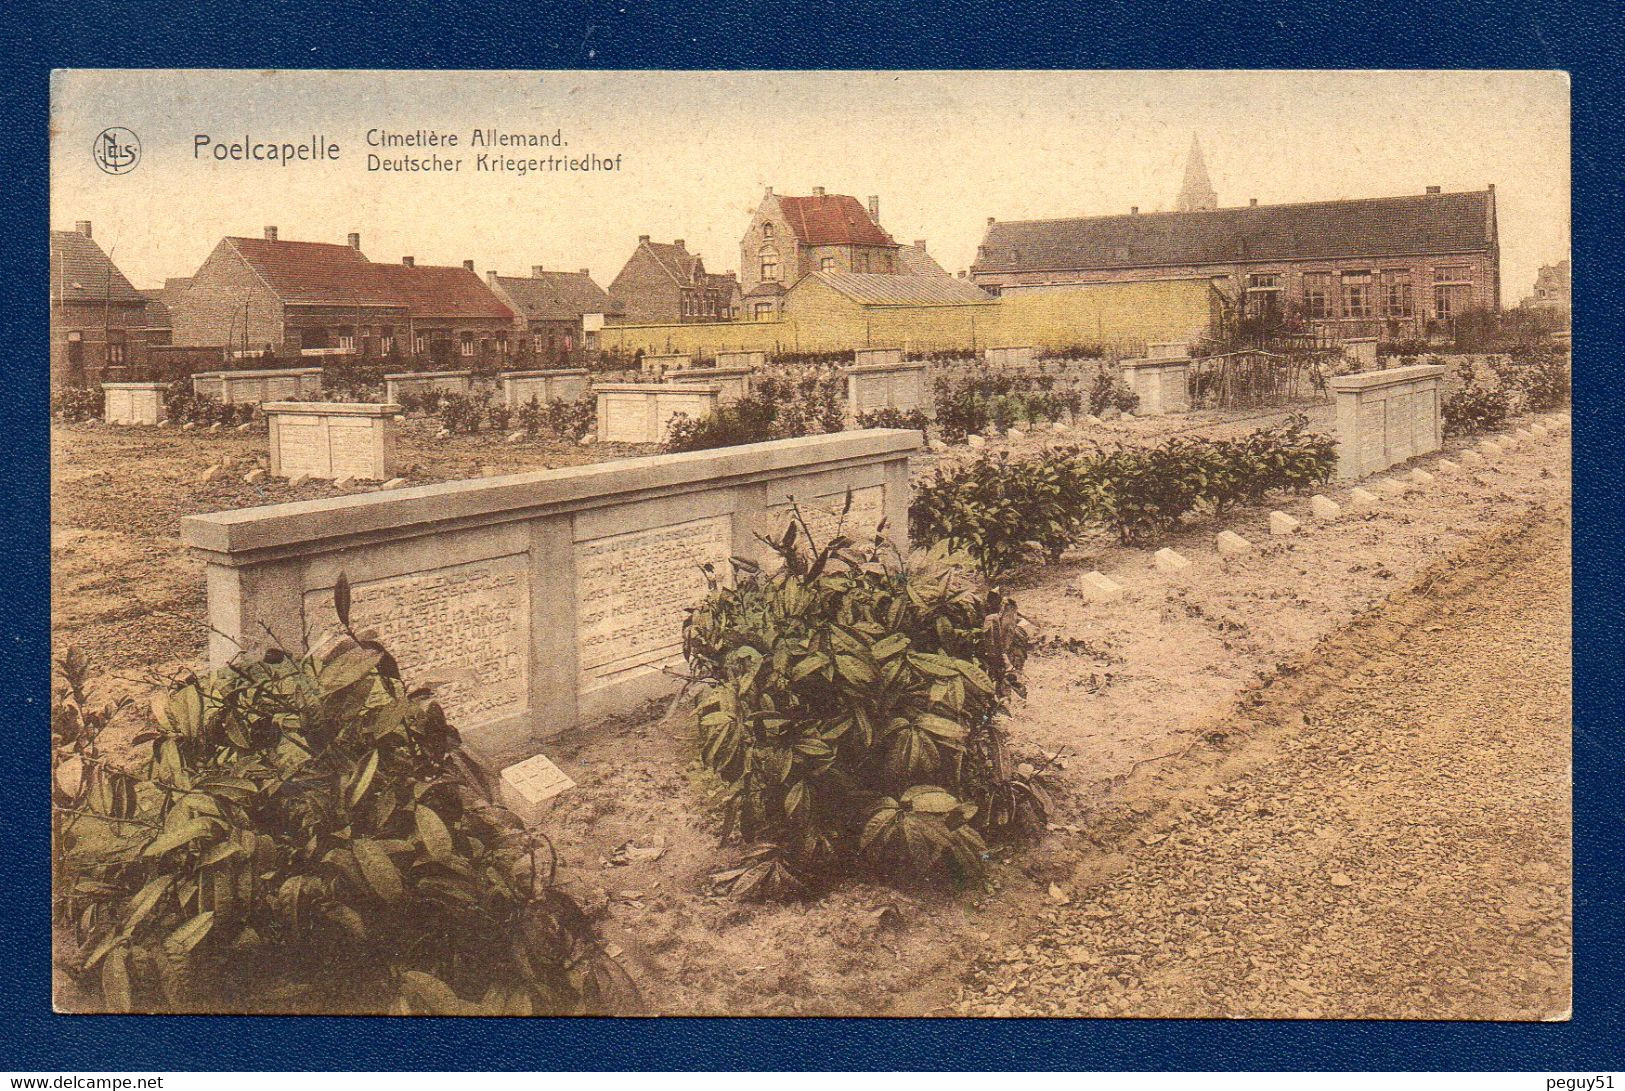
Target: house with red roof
{"points": [[663, 282], [790, 237], [553, 309], [316, 298]]}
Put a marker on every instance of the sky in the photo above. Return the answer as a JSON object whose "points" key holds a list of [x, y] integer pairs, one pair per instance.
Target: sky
{"points": [[942, 150]]}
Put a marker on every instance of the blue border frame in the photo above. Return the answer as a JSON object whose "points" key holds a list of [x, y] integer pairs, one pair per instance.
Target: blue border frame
{"points": [[636, 34]]}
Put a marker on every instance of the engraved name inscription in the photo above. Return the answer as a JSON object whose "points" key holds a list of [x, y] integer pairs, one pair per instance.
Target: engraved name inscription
{"points": [[463, 630]]}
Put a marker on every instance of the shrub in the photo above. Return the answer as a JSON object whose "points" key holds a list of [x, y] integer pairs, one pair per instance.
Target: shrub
{"points": [[532, 418], [306, 833], [1111, 392], [1539, 376], [572, 420], [500, 416], [747, 420], [849, 704], [895, 418], [462, 412], [980, 401], [77, 403], [1473, 408], [1001, 511]]}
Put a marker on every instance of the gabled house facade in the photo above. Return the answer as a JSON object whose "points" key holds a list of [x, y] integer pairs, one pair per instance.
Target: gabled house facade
{"points": [[98, 319], [790, 237], [551, 309], [662, 282]]}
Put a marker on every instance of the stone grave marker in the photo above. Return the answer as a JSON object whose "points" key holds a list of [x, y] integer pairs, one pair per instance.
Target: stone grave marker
{"points": [[132, 403], [642, 412], [331, 439]]}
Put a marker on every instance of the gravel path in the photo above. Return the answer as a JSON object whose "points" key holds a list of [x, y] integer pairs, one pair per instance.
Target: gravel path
{"points": [[1390, 840]]}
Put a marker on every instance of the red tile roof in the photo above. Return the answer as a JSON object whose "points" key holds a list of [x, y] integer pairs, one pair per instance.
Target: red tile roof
{"points": [[557, 296], [833, 220], [82, 273], [320, 272]]}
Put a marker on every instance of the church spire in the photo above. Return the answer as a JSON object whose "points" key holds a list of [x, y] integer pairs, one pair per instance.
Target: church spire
{"points": [[1197, 192]]}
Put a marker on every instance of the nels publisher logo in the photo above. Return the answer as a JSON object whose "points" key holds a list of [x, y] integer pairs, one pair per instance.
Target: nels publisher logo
{"points": [[117, 150]]}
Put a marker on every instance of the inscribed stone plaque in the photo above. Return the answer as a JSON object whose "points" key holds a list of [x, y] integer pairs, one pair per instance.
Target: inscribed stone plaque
{"points": [[463, 630], [1401, 429], [280, 388], [822, 514], [352, 449], [1373, 444], [303, 447], [632, 591]]}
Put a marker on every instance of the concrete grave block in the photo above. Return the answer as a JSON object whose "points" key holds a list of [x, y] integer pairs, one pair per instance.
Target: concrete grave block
{"points": [[1100, 587], [643, 412], [1231, 544], [298, 479], [1387, 417], [331, 439], [423, 383], [535, 601], [256, 475], [528, 784], [1364, 497], [1471, 458], [1491, 447], [1421, 476], [344, 483], [1012, 356], [1392, 486], [656, 365], [551, 385], [1324, 508], [891, 384], [1282, 523], [516, 437], [213, 473], [732, 382], [1163, 384], [189, 426], [252, 387], [215, 428], [245, 426], [1016, 433], [1445, 466], [975, 440], [1167, 560], [394, 483]]}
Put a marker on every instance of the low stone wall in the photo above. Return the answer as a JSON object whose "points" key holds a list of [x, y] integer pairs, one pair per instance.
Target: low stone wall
{"points": [[642, 412], [256, 387], [880, 386], [331, 439], [132, 403], [750, 360], [557, 385], [734, 382], [1167, 350], [1362, 350], [1163, 384], [658, 364], [1013, 356], [533, 602], [1386, 417], [421, 383], [877, 357]]}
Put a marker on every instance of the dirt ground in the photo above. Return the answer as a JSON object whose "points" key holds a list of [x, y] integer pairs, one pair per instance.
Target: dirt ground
{"points": [[1122, 700]]}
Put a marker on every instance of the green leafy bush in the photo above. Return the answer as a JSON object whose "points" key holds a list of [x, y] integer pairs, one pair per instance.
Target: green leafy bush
{"points": [[76, 403], [462, 412], [979, 401], [500, 416], [1539, 376], [532, 417], [572, 420], [305, 834], [1473, 408], [888, 417], [1002, 511], [848, 704], [1111, 392], [747, 420]]}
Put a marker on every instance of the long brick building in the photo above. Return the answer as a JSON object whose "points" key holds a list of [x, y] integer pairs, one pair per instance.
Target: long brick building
{"points": [[301, 297], [1391, 267]]}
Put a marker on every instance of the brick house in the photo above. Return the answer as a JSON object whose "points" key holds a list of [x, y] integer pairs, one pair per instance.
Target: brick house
{"points": [[790, 237], [663, 282], [98, 319], [1390, 267], [1554, 288], [549, 308], [312, 298]]}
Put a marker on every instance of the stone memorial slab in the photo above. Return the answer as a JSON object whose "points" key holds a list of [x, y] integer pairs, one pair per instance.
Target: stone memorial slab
{"points": [[1231, 544], [733, 383], [423, 383], [1162, 384], [1324, 508], [528, 784], [1100, 587], [331, 439], [1168, 560], [1282, 524], [1362, 350], [132, 403], [1167, 350], [900, 386], [1012, 356], [254, 387], [1386, 417], [656, 365], [532, 602], [877, 357], [751, 361], [555, 385], [643, 412], [1364, 497]]}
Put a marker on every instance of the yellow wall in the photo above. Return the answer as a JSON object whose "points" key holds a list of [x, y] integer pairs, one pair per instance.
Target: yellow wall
{"points": [[817, 318]]}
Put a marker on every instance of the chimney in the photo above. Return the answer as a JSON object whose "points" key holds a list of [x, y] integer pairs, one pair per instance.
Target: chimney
{"points": [[769, 192], [468, 263], [409, 262], [919, 244], [818, 191], [586, 272], [677, 243], [991, 221], [642, 239], [874, 209], [83, 227], [270, 233], [1134, 210], [537, 270], [1433, 189], [491, 277], [1252, 202], [354, 239]]}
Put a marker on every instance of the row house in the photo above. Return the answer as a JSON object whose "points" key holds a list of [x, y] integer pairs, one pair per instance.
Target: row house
{"points": [[790, 237], [555, 312], [290, 298], [1392, 267], [662, 282], [99, 322]]}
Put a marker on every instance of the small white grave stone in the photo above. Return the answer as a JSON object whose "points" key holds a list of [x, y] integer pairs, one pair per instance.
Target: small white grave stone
{"points": [[1490, 447], [531, 783], [1282, 523], [1421, 476], [1445, 466], [975, 440], [1169, 561], [1472, 458], [393, 483], [255, 476], [1325, 508], [1100, 587], [1364, 496], [1231, 544]]}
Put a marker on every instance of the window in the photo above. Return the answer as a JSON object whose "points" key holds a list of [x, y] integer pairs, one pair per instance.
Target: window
{"points": [[347, 342], [770, 268], [419, 344], [767, 231], [115, 347], [386, 344], [827, 265], [1396, 293], [466, 347], [1317, 295], [763, 312], [1263, 293], [1357, 295], [1452, 274]]}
